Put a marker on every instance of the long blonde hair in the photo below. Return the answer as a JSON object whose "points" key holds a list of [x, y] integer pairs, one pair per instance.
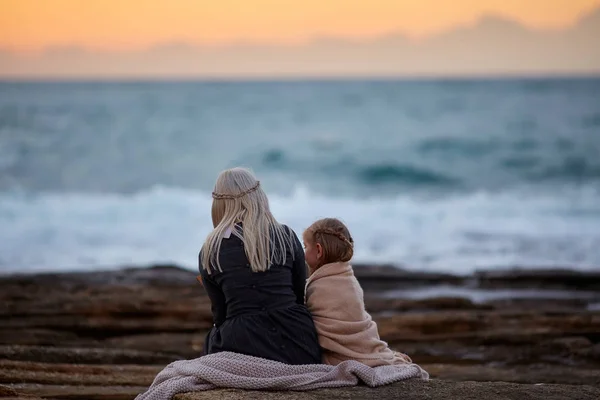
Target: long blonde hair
{"points": [[238, 198]]}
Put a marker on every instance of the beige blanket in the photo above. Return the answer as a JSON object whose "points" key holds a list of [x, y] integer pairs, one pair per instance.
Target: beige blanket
{"points": [[346, 330], [233, 370]]}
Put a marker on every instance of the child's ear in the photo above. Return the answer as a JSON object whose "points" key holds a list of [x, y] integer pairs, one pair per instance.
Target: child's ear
{"points": [[319, 250]]}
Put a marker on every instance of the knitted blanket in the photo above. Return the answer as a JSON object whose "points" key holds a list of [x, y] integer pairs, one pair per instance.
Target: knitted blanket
{"points": [[346, 330], [233, 370]]}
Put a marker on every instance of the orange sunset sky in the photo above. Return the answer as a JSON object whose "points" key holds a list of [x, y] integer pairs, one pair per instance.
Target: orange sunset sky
{"points": [[89, 39], [30, 25]]}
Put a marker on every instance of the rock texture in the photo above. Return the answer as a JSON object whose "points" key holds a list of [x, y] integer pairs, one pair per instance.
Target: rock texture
{"points": [[105, 335], [415, 390]]}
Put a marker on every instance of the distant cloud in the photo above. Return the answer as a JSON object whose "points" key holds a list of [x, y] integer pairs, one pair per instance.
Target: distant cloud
{"points": [[492, 46]]}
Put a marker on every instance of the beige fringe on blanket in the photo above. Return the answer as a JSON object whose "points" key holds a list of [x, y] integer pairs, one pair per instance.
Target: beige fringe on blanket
{"points": [[233, 370], [346, 330]]}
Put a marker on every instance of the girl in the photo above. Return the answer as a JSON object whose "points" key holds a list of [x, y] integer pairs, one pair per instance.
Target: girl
{"points": [[335, 299], [253, 270]]}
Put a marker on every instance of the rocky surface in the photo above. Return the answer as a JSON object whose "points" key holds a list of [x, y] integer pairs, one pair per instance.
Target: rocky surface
{"points": [[105, 335], [418, 390]]}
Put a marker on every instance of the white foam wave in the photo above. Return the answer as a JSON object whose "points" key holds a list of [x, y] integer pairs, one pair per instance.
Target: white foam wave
{"points": [[165, 225]]}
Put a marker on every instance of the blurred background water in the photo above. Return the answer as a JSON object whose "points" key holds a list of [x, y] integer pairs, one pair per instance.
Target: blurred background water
{"points": [[447, 175]]}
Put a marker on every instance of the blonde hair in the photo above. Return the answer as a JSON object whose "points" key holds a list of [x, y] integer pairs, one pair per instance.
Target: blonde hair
{"points": [[334, 237], [238, 198]]}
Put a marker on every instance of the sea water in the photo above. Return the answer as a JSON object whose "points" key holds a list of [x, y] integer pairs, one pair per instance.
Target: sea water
{"points": [[432, 175]]}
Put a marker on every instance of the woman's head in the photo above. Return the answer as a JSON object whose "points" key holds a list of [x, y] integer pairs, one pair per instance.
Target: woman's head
{"points": [[327, 241], [239, 199], [237, 194]]}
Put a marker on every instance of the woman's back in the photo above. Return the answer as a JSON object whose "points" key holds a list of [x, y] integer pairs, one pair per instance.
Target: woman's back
{"points": [[254, 272], [245, 291]]}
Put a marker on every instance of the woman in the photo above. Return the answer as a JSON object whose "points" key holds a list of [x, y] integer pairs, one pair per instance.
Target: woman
{"points": [[254, 273]]}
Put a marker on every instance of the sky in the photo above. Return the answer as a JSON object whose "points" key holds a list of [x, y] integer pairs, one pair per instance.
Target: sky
{"points": [[81, 39], [125, 25]]}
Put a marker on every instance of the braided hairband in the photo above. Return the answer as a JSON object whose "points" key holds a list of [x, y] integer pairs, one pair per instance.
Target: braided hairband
{"points": [[338, 235], [220, 196]]}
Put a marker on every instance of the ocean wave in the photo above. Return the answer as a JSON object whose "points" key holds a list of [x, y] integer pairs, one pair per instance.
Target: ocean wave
{"points": [[474, 165], [523, 163], [457, 147], [405, 174], [570, 169], [591, 121], [368, 174], [458, 233]]}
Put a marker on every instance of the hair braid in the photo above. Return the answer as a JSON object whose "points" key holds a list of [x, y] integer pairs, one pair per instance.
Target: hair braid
{"points": [[335, 239]]}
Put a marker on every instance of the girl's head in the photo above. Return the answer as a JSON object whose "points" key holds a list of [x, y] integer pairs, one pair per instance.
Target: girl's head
{"points": [[327, 241], [239, 199]]}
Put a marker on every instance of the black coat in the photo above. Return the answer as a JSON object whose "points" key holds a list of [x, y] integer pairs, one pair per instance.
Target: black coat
{"points": [[260, 314]]}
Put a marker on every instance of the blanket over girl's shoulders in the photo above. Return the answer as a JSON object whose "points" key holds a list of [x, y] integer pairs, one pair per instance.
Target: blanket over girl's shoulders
{"points": [[346, 330]]}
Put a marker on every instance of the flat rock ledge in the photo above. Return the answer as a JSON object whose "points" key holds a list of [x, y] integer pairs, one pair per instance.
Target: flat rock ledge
{"points": [[105, 335], [407, 390], [417, 390]]}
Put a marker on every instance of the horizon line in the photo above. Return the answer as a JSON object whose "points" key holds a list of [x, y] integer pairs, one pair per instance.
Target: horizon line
{"points": [[306, 78]]}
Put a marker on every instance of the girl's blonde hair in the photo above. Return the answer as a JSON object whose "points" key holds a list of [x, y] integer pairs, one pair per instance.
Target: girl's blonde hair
{"points": [[239, 199], [334, 237]]}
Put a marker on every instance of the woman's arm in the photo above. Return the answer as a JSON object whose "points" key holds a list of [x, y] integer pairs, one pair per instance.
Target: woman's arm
{"points": [[215, 294]]}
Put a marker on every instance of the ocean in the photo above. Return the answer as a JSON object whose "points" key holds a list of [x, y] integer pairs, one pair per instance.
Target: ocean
{"points": [[434, 175]]}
